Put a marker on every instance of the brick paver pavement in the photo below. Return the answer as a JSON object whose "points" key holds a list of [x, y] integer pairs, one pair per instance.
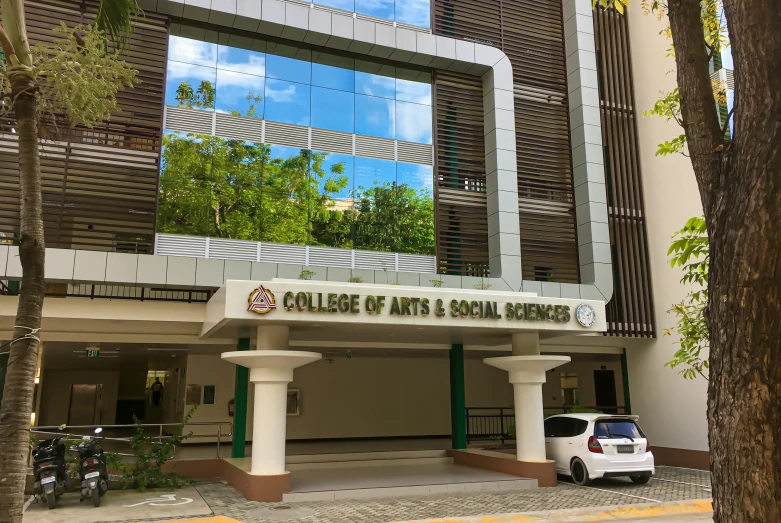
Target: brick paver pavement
{"points": [[670, 484]]}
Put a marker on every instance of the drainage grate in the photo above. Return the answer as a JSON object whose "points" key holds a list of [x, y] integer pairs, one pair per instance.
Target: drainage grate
{"points": [[281, 513]]}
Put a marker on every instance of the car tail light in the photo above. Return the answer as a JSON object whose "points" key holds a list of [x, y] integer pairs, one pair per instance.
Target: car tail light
{"points": [[46, 464], [594, 446], [647, 445]]}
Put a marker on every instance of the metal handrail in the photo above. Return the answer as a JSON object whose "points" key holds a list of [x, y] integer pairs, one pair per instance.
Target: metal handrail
{"points": [[66, 429]]}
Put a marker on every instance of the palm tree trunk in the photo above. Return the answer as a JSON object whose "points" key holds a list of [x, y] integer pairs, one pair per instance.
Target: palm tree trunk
{"points": [[23, 358]]}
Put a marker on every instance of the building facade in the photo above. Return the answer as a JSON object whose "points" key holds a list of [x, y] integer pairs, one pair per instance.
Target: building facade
{"points": [[292, 158]]}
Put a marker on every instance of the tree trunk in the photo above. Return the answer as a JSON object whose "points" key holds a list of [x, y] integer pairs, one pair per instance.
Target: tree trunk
{"points": [[23, 358], [740, 188]]}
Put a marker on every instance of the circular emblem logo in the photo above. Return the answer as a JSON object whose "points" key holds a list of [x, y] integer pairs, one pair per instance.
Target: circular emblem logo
{"points": [[586, 315], [261, 300]]}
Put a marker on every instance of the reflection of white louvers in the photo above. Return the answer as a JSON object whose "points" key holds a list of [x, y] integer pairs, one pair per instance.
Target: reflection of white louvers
{"points": [[275, 133], [243, 250]]}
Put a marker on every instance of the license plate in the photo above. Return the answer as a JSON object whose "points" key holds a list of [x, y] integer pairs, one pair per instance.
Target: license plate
{"points": [[626, 449], [48, 479], [91, 475]]}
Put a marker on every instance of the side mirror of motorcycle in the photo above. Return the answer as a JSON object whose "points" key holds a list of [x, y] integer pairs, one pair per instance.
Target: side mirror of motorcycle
{"points": [[98, 430]]}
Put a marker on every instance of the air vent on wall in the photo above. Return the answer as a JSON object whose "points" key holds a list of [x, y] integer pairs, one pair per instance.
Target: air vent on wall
{"points": [[239, 127], [374, 147], [189, 120]]}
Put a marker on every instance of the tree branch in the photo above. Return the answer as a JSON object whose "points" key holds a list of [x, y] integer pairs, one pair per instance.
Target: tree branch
{"points": [[726, 121], [698, 105]]}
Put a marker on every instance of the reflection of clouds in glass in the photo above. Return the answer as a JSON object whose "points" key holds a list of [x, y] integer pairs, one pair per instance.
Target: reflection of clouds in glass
{"points": [[233, 79], [416, 92], [255, 65], [376, 85], [413, 12], [413, 123], [192, 51], [417, 176], [378, 8], [177, 70], [287, 94]]}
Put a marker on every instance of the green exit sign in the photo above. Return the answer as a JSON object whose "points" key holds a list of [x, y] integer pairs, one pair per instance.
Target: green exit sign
{"points": [[93, 353]]}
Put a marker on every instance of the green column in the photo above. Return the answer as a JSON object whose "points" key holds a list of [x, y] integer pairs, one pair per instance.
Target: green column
{"points": [[240, 408], [625, 377], [457, 397]]}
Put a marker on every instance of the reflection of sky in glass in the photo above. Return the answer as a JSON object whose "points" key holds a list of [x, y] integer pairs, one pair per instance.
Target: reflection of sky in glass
{"points": [[232, 91], [192, 51], [371, 172], [332, 160], [333, 77], [285, 153], [241, 60], [418, 177], [415, 92], [288, 69], [347, 5], [179, 72], [287, 102], [413, 122], [332, 109], [413, 12], [374, 116], [378, 8], [375, 85]]}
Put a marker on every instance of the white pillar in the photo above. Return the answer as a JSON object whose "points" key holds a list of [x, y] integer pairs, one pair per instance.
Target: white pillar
{"points": [[273, 337], [527, 374], [526, 344], [270, 371], [269, 426], [529, 430]]}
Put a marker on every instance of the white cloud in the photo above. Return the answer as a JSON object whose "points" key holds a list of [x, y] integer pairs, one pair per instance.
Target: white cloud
{"points": [[413, 122], [413, 12], [288, 94], [192, 51], [227, 78], [417, 92]]}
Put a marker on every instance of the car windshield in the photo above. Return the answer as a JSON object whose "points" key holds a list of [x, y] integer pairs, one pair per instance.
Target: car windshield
{"points": [[607, 429]]}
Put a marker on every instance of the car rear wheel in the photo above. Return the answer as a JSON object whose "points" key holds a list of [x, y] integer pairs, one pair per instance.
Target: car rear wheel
{"points": [[641, 480], [579, 472]]}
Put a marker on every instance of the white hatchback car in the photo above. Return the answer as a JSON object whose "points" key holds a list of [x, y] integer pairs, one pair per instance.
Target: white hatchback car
{"points": [[589, 446]]}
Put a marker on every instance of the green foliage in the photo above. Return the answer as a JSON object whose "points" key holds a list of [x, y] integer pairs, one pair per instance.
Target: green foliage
{"points": [[669, 108], [690, 251], [618, 5], [235, 189], [115, 19], [79, 76], [482, 286], [579, 409], [436, 283], [306, 275], [151, 454], [355, 279]]}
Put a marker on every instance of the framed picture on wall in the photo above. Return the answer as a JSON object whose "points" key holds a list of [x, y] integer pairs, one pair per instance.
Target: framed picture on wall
{"points": [[293, 402], [192, 395]]}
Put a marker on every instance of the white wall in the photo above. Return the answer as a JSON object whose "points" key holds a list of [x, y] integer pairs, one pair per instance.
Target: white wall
{"points": [[672, 410], [56, 393], [210, 370]]}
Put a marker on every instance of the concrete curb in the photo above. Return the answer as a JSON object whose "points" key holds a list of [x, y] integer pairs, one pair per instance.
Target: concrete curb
{"points": [[610, 513]]}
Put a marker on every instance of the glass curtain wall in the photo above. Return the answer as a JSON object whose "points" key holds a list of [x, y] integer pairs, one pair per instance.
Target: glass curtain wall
{"points": [[227, 188], [412, 12]]}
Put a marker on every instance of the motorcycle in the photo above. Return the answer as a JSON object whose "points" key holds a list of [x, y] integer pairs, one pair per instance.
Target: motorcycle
{"points": [[49, 469], [93, 472]]}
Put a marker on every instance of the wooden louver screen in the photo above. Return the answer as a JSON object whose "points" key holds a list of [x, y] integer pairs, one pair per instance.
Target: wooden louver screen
{"points": [[530, 32], [630, 312], [462, 219], [99, 185]]}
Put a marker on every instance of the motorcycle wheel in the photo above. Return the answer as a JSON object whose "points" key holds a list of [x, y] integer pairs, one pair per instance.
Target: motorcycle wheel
{"points": [[96, 496], [51, 501]]}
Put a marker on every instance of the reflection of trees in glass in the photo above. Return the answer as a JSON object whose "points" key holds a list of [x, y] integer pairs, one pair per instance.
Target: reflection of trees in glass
{"points": [[235, 189]]}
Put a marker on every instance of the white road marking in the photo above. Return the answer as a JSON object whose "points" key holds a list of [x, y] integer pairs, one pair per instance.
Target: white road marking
{"points": [[163, 501], [617, 492], [27, 503]]}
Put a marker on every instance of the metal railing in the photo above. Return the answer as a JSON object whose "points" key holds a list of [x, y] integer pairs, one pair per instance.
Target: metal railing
{"points": [[494, 423], [73, 430]]}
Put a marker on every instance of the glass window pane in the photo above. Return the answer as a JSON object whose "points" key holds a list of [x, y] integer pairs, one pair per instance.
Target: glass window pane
{"points": [[331, 211], [241, 60], [378, 8], [287, 102], [375, 84], [415, 208], [240, 94], [334, 72], [374, 116], [185, 184], [188, 85], [284, 68], [236, 189], [375, 204], [413, 12], [415, 92], [192, 52], [347, 5], [333, 109], [413, 122], [285, 196]]}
